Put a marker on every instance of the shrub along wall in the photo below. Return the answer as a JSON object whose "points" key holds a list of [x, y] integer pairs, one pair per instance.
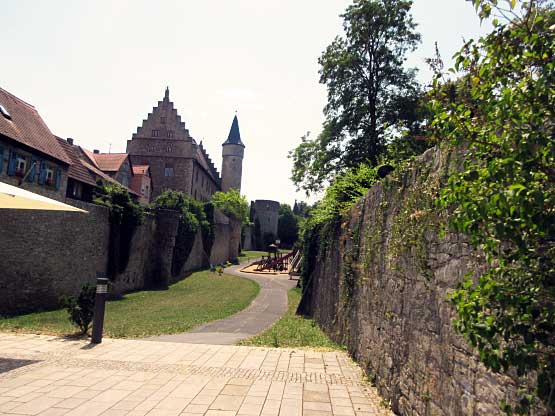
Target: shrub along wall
{"points": [[48, 254], [379, 285]]}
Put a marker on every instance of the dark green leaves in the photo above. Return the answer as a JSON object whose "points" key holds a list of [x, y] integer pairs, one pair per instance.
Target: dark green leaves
{"points": [[502, 110]]}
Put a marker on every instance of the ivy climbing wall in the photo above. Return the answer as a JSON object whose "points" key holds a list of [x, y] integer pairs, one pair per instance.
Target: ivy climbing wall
{"points": [[380, 283]]}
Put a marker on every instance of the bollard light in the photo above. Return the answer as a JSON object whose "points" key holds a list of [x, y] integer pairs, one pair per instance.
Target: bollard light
{"points": [[99, 308]]}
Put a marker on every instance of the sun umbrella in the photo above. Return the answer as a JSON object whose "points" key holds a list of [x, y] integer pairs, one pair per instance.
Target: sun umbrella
{"points": [[12, 197]]}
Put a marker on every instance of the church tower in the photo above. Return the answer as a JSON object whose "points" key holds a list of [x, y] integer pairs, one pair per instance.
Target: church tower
{"points": [[233, 151]]}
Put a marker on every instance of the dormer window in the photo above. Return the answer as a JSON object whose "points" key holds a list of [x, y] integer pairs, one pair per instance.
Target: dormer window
{"points": [[5, 112], [155, 133]]}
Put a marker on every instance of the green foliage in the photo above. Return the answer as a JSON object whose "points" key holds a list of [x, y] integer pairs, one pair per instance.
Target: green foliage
{"points": [[321, 226], [193, 216], [232, 203], [504, 198], [125, 216], [370, 93], [81, 309], [287, 226]]}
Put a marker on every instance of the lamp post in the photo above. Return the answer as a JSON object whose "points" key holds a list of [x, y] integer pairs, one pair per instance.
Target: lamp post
{"points": [[99, 308]]}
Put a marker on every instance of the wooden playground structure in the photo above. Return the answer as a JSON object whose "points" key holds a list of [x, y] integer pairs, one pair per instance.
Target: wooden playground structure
{"points": [[277, 263]]}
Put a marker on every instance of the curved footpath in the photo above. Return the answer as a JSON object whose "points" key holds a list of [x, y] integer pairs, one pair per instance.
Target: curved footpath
{"points": [[265, 309]]}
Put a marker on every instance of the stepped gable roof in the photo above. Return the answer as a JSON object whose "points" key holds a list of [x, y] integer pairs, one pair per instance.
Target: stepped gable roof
{"points": [[24, 125], [109, 162], [234, 136], [140, 169], [77, 170], [206, 163], [164, 109]]}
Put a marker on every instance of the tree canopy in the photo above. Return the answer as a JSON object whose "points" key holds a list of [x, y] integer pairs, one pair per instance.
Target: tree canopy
{"points": [[370, 93], [232, 203], [288, 229]]}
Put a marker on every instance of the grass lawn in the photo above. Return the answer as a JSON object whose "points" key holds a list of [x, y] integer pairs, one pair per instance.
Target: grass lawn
{"points": [[293, 331], [202, 297]]}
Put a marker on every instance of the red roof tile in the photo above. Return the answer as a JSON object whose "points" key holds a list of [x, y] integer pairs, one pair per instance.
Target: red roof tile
{"points": [[27, 127], [77, 170], [109, 162], [140, 169]]}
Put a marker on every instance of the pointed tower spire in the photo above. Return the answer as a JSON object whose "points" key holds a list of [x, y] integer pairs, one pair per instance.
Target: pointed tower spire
{"points": [[234, 136], [167, 94], [233, 151]]}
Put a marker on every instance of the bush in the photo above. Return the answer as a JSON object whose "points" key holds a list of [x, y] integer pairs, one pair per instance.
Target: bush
{"points": [[81, 309]]}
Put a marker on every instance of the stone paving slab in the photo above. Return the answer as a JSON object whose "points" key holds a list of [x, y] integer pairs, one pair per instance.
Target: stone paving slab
{"points": [[265, 309], [44, 375]]}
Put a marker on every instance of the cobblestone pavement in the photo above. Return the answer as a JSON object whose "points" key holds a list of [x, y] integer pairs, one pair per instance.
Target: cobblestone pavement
{"points": [[44, 375], [268, 307]]}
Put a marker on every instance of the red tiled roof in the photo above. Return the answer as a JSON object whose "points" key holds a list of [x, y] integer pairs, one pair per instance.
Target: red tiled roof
{"points": [[27, 127], [140, 169], [77, 170], [83, 171], [105, 177], [109, 162]]}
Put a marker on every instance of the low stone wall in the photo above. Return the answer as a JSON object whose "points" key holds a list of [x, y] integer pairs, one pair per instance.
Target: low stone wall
{"points": [[380, 287], [48, 254]]}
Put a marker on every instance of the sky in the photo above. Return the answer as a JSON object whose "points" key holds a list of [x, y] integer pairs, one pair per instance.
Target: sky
{"points": [[95, 69]]}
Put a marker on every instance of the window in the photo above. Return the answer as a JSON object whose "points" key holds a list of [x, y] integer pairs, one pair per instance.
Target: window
{"points": [[168, 172], [170, 134], [162, 120], [20, 166], [49, 176], [155, 133]]}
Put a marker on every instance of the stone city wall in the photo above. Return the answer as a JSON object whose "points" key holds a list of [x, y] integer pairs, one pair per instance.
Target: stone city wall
{"points": [[48, 254], [380, 287]]}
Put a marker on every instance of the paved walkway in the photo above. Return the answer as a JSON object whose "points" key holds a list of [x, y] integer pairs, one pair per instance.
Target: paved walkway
{"points": [[268, 307], [44, 375]]}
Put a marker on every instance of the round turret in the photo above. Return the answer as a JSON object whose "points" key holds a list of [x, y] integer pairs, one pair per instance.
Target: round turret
{"points": [[233, 151]]}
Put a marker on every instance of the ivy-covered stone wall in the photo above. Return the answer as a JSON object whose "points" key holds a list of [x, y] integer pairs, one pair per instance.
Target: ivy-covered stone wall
{"points": [[380, 285]]}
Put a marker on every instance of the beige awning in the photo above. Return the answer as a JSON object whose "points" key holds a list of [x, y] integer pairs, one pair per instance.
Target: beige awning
{"points": [[12, 197]]}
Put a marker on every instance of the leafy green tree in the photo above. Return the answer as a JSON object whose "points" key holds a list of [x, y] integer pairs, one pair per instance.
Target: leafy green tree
{"points": [[370, 93], [504, 198], [287, 226], [232, 203]]}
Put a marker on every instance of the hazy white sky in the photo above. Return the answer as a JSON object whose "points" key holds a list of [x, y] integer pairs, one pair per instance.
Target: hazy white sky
{"points": [[94, 69]]}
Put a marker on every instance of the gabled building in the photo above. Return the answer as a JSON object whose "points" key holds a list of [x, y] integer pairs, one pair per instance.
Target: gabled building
{"points": [[177, 161], [117, 165], [30, 155], [85, 176], [141, 183]]}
